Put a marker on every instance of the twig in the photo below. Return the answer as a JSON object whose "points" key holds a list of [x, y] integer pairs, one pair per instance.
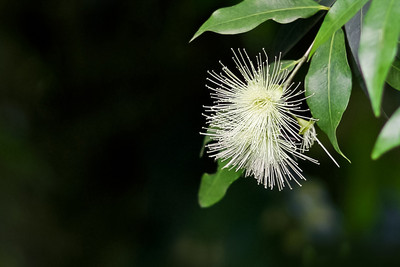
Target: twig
{"points": [[301, 61]]}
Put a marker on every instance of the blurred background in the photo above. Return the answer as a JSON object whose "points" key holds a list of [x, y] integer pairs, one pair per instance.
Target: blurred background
{"points": [[100, 114]]}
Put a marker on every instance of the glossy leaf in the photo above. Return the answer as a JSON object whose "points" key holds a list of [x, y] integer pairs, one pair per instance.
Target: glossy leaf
{"points": [[393, 78], [389, 137], [340, 13], [214, 186], [378, 45], [328, 86], [248, 14]]}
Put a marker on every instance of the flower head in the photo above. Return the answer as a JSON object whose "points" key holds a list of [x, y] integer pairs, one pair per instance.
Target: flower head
{"points": [[252, 121]]}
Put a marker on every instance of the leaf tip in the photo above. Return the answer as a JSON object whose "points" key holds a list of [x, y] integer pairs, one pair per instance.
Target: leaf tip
{"points": [[338, 150], [377, 111], [377, 152], [194, 37], [375, 100], [375, 155], [344, 156], [197, 34], [204, 205]]}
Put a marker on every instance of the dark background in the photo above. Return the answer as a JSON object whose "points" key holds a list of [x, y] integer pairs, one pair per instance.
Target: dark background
{"points": [[100, 114]]}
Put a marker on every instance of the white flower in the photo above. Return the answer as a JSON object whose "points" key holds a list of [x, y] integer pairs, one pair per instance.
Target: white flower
{"points": [[252, 121]]}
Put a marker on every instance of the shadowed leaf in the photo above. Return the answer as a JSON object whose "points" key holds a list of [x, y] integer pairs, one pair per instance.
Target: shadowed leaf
{"points": [[393, 78]]}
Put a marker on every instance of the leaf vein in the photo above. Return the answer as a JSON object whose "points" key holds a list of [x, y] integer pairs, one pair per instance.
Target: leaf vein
{"points": [[329, 82]]}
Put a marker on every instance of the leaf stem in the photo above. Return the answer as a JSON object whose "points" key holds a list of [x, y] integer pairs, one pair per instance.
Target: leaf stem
{"points": [[300, 63]]}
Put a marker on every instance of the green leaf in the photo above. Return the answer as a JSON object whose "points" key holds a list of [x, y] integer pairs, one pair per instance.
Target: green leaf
{"points": [[393, 78], [340, 13], [389, 137], [248, 14], [378, 45], [328, 85], [213, 186]]}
